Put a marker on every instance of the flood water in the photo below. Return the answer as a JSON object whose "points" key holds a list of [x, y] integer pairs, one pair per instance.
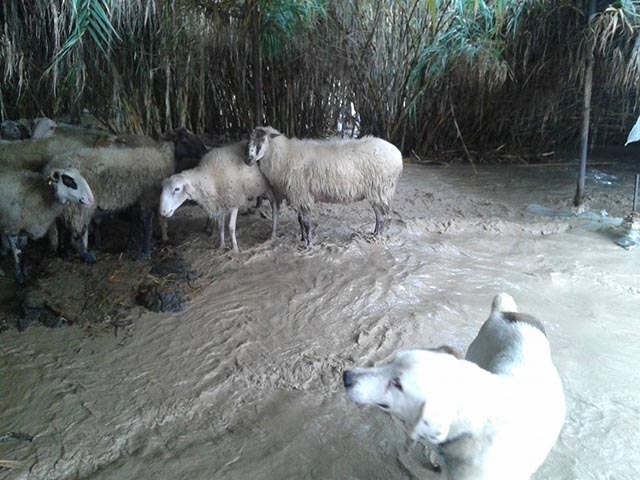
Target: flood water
{"points": [[246, 383]]}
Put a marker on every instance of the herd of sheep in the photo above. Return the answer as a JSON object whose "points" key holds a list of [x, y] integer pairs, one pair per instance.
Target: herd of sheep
{"points": [[54, 182]]}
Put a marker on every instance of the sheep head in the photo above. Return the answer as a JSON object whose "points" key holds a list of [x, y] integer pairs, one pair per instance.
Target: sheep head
{"points": [[43, 128], [258, 144], [9, 130], [175, 191], [69, 186]]}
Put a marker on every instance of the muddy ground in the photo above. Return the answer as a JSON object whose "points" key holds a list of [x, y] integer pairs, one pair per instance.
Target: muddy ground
{"points": [[245, 381]]}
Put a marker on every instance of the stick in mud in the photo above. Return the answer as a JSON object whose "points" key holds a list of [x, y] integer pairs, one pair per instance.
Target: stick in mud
{"points": [[16, 436]]}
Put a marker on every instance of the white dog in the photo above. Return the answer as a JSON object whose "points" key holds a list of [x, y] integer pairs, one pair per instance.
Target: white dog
{"points": [[493, 416]]}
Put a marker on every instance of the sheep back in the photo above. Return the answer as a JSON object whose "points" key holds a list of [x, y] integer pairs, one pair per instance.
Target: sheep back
{"points": [[332, 171], [119, 177], [34, 154]]}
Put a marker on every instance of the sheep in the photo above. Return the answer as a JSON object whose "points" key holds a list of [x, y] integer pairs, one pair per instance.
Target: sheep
{"points": [[43, 128], [34, 154], [30, 203], [331, 171], [189, 150], [220, 183], [121, 178], [10, 130]]}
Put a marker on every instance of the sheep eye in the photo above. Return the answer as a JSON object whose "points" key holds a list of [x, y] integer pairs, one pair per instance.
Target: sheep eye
{"points": [[177, 189], [396, 383]]}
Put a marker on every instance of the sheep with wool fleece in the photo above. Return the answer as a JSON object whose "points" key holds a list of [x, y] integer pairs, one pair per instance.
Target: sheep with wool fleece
{"points": [[121, 178], [34, 154], [332, 171], [220, 183], [30, 202]]}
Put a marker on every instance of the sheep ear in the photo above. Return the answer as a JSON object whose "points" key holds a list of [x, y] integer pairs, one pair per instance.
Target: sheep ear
{"points": [[274, 135], [188, 189], [54, 177]]}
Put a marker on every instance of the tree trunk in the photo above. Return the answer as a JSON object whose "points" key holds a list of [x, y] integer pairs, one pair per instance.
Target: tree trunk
{"points": [[586, 115]]}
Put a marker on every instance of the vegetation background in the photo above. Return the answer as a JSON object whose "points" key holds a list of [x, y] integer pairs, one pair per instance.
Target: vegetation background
{"points": [[488, 76]]}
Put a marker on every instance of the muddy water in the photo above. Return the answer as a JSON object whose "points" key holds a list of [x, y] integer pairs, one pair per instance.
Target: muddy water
{"points": [[246, 382]]}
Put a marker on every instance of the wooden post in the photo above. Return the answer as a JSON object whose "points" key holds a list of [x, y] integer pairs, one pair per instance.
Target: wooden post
{"points": [[586, 115], [635, 193]]}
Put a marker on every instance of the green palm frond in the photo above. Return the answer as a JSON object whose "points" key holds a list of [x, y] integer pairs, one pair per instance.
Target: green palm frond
{"points": [[281, 21], [88, 18]]}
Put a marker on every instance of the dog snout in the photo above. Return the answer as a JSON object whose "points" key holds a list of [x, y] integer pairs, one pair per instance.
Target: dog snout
{"points": [[348, 378]]}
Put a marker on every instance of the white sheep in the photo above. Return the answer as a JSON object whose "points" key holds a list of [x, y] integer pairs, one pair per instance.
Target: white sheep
{"points": [[220, 183], [43, 128], [30, 203], [34, 154], [332, 171], [121, 178]]}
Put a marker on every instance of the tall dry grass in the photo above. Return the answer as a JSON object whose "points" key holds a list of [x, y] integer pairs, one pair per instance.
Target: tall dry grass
{"points": [[501, 74]]}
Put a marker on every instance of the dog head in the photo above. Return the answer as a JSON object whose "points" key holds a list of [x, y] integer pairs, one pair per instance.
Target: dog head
{"points": [[415, 387]]}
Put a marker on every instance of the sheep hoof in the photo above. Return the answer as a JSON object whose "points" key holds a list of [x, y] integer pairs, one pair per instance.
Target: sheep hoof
{"points": [[143, 257], [20, 281], [88, 257]]}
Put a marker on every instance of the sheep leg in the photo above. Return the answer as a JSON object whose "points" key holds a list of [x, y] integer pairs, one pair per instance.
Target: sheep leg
{"points": [[275, 208], [220, 219], [147, 228], [306, 223], [18, 244], [133, 236], [81, 244], [65, 242], [53, 237], [208, 226], [5, 248], [97, 233], [379, 211], [252, 210], [232, 230], [303, 236], [164, 228]]}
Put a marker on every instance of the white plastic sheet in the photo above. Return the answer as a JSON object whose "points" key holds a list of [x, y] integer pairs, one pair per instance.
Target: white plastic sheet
{"points": [[634, 134]]}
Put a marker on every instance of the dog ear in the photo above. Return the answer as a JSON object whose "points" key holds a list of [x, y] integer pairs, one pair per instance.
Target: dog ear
{"points": [[433, 422], [447, 349]]}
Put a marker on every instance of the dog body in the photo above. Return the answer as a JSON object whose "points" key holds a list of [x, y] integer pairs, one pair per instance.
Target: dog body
{"points": [[493, 416]]}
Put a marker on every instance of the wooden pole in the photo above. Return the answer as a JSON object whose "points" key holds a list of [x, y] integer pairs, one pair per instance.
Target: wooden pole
{"points": [[586, 115], [635, 193]]}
